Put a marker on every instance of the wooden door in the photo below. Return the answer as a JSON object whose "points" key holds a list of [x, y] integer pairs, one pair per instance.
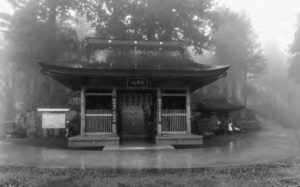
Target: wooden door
{"points": [[133, 122]]}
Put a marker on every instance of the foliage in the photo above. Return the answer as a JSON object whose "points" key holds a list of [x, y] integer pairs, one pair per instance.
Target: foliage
{"points": [[32, 34], [181, 20], [294, 68], [235, 44]]}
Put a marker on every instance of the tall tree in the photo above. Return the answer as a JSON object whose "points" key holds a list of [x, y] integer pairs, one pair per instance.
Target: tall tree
{"points": [[32, 33], [236, 44], [181, 20], [294, 68]]}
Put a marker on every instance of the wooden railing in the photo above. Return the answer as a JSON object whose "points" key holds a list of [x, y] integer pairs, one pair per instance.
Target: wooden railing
{"points": [[174, 120], [98, 121]]}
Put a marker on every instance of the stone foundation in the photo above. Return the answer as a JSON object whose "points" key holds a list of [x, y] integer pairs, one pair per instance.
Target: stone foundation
{"points": [[93, 141], [179, 139]]}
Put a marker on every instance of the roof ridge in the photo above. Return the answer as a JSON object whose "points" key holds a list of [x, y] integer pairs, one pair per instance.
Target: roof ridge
{"points": [[102, 41]]}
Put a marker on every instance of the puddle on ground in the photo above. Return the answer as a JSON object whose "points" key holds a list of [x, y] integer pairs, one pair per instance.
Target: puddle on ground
{"points": [[254, 147]]}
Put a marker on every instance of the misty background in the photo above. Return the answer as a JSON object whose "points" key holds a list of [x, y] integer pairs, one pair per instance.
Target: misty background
{"points": [[264, 74]]}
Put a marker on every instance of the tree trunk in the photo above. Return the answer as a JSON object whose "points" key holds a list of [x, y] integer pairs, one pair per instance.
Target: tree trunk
{"points": [[115, 28], [52, 29], [226, 88], [234, 91], [245, 93]]}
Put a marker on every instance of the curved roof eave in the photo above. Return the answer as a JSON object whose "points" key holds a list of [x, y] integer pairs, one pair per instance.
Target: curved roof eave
{"points": [[214, 71]]}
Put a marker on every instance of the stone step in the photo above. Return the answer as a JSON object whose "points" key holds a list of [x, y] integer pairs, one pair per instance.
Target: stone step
{"points": [[139, 147]]}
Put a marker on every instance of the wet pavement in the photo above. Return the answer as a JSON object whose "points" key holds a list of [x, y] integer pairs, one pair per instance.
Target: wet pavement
{"points": [[255, 147]]}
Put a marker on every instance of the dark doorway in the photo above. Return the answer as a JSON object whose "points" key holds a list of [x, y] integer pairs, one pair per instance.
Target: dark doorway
{"points": [[133, 122], [136, 113]]}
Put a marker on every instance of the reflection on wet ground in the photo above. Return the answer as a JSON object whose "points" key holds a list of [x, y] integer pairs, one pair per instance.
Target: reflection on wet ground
{"points": [[254, 147]]}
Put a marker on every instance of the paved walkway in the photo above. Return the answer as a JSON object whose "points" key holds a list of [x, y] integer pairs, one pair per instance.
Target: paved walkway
{"points": [[255, 147]]}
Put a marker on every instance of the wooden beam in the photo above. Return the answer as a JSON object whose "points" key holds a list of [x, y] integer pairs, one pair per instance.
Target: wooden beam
{"points": [[173, 94], [159, 103], [82, 111], [188, 111], [99, 115], [175, 114], [98, 94], [114, 111]]}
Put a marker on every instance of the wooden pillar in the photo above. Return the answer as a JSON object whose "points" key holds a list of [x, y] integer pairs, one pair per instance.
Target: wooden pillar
{"points": [[82, 111], [188, 111], [159, 103], [114, 111]]}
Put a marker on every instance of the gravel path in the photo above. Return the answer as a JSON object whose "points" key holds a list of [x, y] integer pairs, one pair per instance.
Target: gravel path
{"points": [[283, 173]]}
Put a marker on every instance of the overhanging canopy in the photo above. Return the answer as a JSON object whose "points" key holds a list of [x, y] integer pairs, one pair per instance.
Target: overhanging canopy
{"points": [[220, 105], [114, 77]]}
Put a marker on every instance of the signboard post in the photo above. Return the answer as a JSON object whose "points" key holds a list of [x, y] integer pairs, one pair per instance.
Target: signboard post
{"points": [[53, 120]]}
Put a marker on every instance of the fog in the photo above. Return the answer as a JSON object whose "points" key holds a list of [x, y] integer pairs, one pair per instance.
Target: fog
{"points": [[281, 101], [258, 78]]}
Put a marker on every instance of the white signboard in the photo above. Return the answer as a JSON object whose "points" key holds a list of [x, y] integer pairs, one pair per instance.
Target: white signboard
{"points": [[53, 120]]}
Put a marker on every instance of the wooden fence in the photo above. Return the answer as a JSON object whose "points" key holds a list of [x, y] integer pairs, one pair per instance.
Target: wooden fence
{"points": [[98, 121], [174, 120]]}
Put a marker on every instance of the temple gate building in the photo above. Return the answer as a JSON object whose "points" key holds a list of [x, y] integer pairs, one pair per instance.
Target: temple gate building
{"points": [[134, 89]]}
